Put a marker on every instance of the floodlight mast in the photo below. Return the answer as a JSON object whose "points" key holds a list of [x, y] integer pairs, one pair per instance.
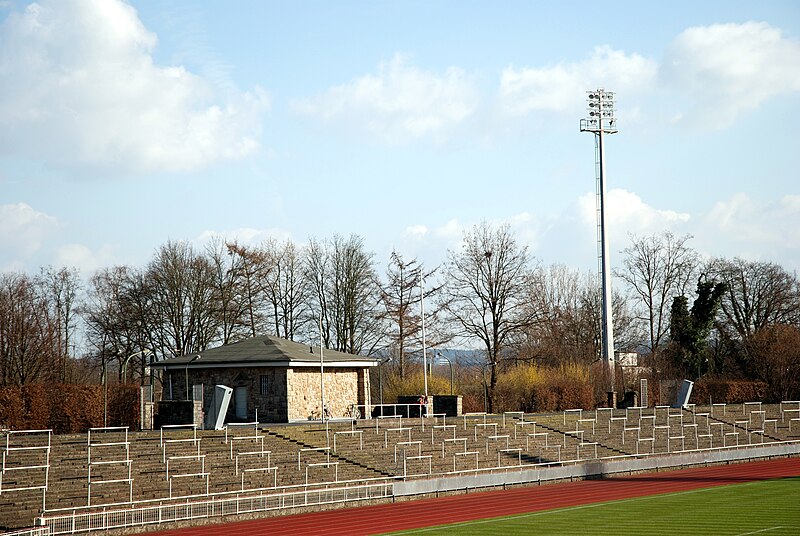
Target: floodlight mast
{"points": [[602, 121]]}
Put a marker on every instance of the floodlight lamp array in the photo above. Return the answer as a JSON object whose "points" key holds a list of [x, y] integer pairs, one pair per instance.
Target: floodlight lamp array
{"points": [[600, 112]]}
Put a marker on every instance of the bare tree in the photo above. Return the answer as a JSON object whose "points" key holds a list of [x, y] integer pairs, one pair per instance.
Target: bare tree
{"points": [[401, 295], [568, 327], [775, 351], [247, 274], [286, 288], [236, 272], [344, 294], [484, 291], [656, 269], [61, 288], [28, 339], [317, 274], [758, 294], [185, 301], [564, 330], [117, 315]]}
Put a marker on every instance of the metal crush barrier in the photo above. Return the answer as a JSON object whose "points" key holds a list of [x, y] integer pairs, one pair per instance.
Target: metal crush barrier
{"points": [[37, 531], [135, 516]]}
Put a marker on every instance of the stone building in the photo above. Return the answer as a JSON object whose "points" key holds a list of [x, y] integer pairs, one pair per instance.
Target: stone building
{"points": [[273, 379]]}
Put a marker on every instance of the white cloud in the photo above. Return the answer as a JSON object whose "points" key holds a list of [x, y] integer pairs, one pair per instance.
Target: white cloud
{"points": [[626, 212], [562, 87], [23, 230], [762, 226], [709, 75], [738, 226], [84, 259], [79, 87], [399, 103], [414, 231], [246, 236], [727, 69], [435, 242], [451, 231]]}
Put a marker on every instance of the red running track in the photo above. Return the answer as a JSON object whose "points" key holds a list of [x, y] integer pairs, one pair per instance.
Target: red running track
{"points": [[378, 519]]}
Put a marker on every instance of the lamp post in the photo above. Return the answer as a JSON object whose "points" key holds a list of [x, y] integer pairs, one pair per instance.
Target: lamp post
{"points": [[186, 372], [144, 351], [322, 387], [152, 379], [601, 121], [105, 386], [424, 349], [380, 380], [440, 356]]}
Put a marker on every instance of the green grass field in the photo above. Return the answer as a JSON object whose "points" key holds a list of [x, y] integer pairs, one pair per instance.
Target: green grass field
{"points": [[768, 507]]}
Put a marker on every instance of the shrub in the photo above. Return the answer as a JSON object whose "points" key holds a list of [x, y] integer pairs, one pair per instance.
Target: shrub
{"points": [[531, 388], [566, 387], [720, 391], [12, 410], [123, 407], [36, 406], [67, 408]]}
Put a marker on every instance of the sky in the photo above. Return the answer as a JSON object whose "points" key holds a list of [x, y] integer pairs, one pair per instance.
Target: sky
{"points": [[125, 125]]}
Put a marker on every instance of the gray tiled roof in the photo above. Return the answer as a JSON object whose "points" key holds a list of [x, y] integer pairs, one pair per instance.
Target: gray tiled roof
{"points": [[266, 350]]}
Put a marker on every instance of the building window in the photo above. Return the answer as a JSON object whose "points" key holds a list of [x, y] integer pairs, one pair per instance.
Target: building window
{"points": [[264, 385]]}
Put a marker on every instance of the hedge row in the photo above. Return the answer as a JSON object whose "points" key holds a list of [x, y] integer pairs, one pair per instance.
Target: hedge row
{"points": [[728, 391], [68, 408]]}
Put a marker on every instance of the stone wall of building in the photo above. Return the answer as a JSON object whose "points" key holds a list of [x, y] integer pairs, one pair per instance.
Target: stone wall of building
{"points": [[270, 407], [290, 395], [341, 390]]}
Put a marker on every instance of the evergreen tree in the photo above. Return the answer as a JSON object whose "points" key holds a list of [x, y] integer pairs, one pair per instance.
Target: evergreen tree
{"points": [[689, 329]]}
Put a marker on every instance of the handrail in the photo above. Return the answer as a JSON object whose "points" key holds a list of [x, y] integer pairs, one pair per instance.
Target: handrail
{"points": [[211, 507], [7, 449], [223, 494], [320, 487]]}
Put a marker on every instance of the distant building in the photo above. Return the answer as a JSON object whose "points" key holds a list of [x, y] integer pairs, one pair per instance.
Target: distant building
{"points": [[273, 379]]}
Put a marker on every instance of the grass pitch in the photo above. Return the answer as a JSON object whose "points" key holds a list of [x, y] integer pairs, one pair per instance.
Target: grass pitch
{"points": [[771, 508]]}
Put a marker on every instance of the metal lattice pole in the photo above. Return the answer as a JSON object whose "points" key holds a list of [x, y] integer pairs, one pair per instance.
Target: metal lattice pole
{"points": [[601, 121]]}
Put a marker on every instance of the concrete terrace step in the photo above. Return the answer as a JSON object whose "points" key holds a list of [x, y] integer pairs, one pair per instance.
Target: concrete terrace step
{"points": [[365, 450]]}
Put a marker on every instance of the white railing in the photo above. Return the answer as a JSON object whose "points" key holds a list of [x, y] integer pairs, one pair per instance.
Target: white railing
{"points": [[136, 516], [138, 513], [11, 447], [579, 469], [118, 442]]}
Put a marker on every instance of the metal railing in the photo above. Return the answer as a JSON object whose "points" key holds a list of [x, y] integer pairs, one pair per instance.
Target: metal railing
{"points": [[140, 513], [135, 516], [10, 447], [579, 469]]}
